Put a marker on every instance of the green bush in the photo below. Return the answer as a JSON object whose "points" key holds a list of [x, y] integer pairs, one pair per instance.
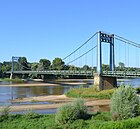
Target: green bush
{"points": [[125, 103], [70, 112], [98, 121], [4, 113], [138, 90], [31, 115], [104, 116], [132, 123]]}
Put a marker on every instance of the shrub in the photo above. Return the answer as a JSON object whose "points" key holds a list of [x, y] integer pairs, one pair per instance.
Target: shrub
{"points": [[132, 123], [138, 90], [31, 115], [4, 114], [70, 112], [103, 116], [125, 103]]}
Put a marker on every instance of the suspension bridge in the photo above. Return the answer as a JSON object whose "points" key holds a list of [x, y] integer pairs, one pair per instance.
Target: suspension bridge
{"points": [[101, 48]]}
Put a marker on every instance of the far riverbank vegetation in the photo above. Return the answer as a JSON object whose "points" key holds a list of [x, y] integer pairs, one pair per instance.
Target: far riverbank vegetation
{"points": [[44, 64]]}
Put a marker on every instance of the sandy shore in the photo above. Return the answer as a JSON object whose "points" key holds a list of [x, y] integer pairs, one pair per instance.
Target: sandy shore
{"points": [[50, 98], [96, 103], [62, 99]]}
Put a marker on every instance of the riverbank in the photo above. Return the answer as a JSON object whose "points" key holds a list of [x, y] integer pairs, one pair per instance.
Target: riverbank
{"points": [[29, 84], [40, 82]]}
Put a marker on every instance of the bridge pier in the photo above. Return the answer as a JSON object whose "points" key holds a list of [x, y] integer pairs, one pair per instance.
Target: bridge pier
{"points": [[11, 75], [104, 82]]}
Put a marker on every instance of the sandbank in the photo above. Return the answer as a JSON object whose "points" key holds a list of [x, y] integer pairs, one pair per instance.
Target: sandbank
{"points": [[94, 104]]}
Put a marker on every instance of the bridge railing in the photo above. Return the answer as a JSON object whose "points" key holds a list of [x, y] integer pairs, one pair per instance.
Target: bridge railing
{"points": [[56, 72], [81, 73], [121, 73]]}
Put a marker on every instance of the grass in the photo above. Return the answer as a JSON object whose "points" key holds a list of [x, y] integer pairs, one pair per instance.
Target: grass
{"points": [[24, 122], [16, 80], [138, 90], [34, 101], [95, 121], [90, 93]]}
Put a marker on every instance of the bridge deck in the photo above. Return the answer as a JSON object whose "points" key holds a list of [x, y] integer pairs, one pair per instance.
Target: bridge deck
{"points": [[132, 74]]}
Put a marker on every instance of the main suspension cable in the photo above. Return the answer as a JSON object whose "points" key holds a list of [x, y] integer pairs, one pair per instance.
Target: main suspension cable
{"points": [[82, 55], [80, 46], [127, 41]]}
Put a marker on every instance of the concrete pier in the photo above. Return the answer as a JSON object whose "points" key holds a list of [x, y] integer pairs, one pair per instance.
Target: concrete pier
{"points": [[104, 82], [11, 75]]}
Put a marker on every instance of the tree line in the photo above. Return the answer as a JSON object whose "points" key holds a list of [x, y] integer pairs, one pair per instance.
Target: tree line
{"points": [[42, 65], [56, 64]]}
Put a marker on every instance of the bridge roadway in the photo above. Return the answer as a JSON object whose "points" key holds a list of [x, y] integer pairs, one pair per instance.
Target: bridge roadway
{"points": [[132, 74]]}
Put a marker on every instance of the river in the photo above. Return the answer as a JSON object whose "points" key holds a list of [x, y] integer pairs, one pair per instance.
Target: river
{"points": [[8, 93]]}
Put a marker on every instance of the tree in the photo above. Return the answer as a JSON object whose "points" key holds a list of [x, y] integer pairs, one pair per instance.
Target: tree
{"points": [[0, 69], [85, 67], [58, 64], [23, 62], [6, 66], [44, 64], [121, 66], [34, 66], [105, 67], [72, 67]]}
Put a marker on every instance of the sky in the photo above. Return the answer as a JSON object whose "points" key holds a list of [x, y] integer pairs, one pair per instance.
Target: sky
{"points": [[54, 28]]}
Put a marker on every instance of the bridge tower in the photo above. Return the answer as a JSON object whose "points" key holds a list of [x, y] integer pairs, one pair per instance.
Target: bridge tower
{"points": [[105, 38], [101, 81], [12, 69]]}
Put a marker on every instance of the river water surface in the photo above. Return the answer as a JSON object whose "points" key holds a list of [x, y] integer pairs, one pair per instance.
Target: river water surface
{"points": [[8, 93]]}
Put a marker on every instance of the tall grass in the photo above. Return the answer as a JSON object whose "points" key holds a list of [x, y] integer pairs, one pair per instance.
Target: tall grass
{"points": [[90, 93]]}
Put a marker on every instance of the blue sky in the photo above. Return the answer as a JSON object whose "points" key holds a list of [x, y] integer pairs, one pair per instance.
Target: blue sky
{"points": [[54, 28]]}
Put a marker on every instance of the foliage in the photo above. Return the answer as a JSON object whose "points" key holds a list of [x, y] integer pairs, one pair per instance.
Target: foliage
{"points": [[138, 90], [44, 64], [16, 80], [70, 112], [77, 124], [90, 93], [21, 122], [131, 123], [6, 66], [98, 121], [105, 67], [4, 113], [31, 115], [121, 65], [85, 67], [34, 66], [58, 64], [34, 101], [125, 103], [105, 116], [24, 63]]}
